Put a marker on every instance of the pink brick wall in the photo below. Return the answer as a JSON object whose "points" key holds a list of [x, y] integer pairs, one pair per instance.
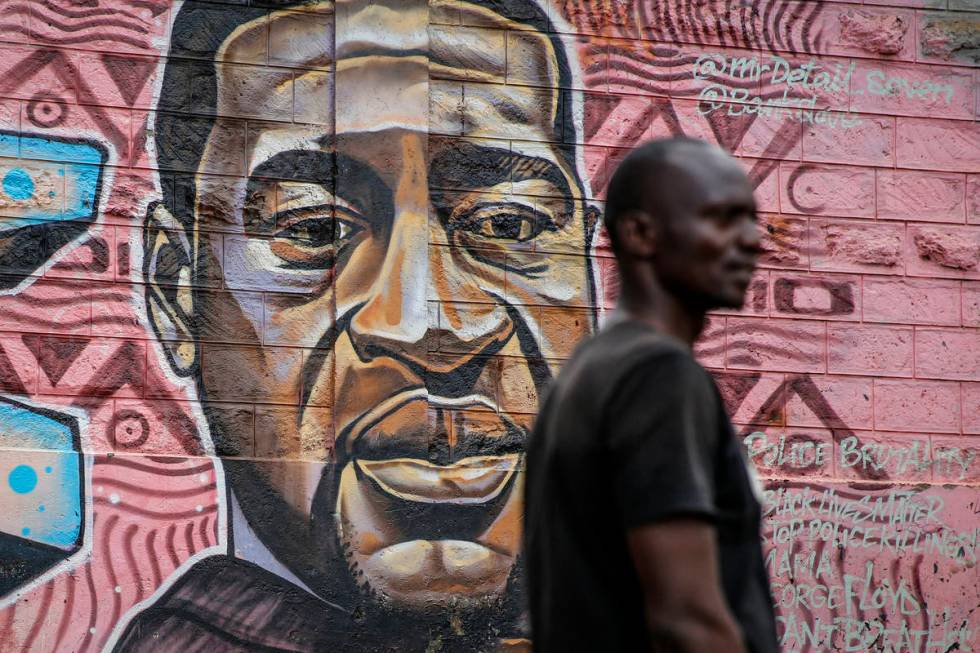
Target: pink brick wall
{"points": [[276, 284]]}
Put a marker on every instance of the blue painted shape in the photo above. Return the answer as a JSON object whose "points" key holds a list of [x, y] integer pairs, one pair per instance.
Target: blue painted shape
{"points": [[18, 185], [67, 172], [9, 144], [22, 479], [46, 148], [46, 508]]}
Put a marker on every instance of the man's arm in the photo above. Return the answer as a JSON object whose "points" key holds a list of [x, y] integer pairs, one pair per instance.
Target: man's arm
{"points": [[677, 565]]}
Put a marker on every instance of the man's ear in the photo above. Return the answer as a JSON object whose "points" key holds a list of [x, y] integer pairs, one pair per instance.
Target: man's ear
{"points": [[638, 234], [169, 273]]}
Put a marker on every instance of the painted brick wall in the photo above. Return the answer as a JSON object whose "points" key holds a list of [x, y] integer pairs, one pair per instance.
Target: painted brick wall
{"points": [[281, 284]]}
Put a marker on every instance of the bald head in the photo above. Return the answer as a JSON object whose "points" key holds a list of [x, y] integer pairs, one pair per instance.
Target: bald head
{"points": [[681, 211], [662, 177]]}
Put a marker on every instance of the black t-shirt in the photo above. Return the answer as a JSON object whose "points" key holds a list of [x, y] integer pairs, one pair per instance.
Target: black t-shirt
{"points": [[633, 432]]}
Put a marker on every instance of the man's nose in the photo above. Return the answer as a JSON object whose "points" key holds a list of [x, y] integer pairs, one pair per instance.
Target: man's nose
{"points": [[395, 315], [421, 300]]}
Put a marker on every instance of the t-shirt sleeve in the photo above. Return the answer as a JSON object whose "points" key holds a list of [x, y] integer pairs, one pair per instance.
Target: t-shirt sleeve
{"points": [[662, 434]]}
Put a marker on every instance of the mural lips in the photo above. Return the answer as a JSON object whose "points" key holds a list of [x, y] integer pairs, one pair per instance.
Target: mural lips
{"points": [[427, 524]]}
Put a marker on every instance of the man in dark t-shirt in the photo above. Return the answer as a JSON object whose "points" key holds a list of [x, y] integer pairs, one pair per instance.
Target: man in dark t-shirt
{"points": [[642, 524]]}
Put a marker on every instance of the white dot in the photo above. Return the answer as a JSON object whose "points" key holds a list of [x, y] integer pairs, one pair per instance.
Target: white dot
{"points": [[203, 478], [99, 489], [118, 590], [92, 630], [199, 508], [113, 498]]}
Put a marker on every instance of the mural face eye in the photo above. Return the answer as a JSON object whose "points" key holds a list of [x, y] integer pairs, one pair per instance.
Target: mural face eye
{"points": [[311, 237], [505, 222]]}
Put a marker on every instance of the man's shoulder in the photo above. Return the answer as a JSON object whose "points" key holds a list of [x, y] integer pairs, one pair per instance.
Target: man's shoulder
{"points": [[223, 604], [621, 348]]}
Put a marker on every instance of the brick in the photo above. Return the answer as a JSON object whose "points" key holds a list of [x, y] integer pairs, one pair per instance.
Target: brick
{"points": [[756, 297], [313, 93], [884, 456], [320, 389], [483, 59], [849, 397], [747, 393], [923, 196], [237, 373], [901, 89], [565, 281], [280, 325], [783, 241], [913, 405], [251, 46], [626, 68], [90, 367], [302, 39], [613, 120], [851, 246], [145, 426], [827, 190], [943, 251], [947, 354], [862, 31], [938, 144], [18, 366], [911, 301], [89, 260], [444, 12], [826, 296], [776, 345], [971, 407], [973, 199], [698, 70], [868, 143], [499, 100], [232, 428], [54, 78], [283, 433], [119, 80], [869, 349], [955, 459], [710, 347], [445, 107], [946, 37], [767, 192], [524, 52], [560, 330], [763, 133], [971, 303], [252, 92], [61, 307]]}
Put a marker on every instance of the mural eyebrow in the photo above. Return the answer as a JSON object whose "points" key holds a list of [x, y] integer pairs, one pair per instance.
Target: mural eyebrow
{"points": [[298, 165], [467, 165]]}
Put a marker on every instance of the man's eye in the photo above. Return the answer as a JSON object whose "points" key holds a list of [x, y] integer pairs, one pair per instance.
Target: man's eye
{"points": [[312, 242], [507, 223], [313, 232]]}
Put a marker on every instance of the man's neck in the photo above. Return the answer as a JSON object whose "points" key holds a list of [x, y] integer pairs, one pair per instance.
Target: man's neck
{"points": [[663, 311]]}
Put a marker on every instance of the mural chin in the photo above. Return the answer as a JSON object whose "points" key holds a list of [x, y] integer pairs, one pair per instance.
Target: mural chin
{"points": [[441, 531], [383, 507]]}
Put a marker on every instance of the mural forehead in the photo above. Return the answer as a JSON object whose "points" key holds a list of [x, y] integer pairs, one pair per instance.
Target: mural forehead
{"points": [[282, 287]]}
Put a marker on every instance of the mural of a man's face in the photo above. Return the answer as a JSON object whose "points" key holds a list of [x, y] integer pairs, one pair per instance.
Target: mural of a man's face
{"points": [[412, 271]]}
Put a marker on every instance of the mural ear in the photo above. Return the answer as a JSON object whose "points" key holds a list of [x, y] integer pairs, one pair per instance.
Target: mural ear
{"points": [[168, 271]]}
